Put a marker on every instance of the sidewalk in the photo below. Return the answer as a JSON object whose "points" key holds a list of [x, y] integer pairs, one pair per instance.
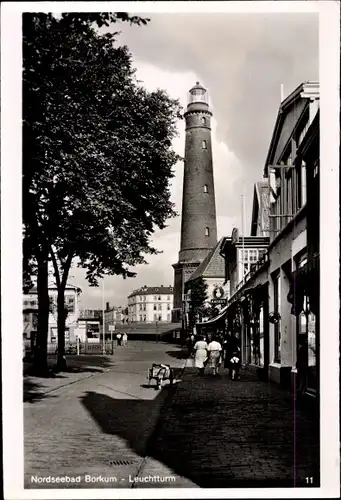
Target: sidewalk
{"points": [[247, 433], [79, 367]]}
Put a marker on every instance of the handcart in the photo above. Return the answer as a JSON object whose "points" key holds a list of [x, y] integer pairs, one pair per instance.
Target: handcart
{"points": [[160, 373]]}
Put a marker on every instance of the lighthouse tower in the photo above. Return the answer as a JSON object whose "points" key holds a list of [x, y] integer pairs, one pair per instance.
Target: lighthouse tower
{"points": [[198, 218]]}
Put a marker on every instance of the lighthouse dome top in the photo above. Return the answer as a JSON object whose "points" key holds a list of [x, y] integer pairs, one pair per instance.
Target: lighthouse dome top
{"points": [[198, 93]]}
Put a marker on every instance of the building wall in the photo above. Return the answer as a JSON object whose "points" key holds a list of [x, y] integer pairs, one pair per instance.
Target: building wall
{"points": [[71, 323], [150, 308], [71, 299], [282, 257]]}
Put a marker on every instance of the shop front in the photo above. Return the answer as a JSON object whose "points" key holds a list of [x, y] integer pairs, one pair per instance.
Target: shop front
{"points": [[255, 329], [304, 297]]}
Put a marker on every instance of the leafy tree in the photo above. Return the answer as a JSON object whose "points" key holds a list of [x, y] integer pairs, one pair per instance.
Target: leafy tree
{"points": [[197, 289], [97, 156], [211, 311]]}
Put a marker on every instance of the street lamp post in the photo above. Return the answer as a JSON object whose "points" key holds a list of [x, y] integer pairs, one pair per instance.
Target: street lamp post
{"points": [[103, 318]]}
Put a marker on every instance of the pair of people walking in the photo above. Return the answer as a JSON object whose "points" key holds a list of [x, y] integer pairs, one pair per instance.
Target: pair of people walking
{"points": [[122, 339], [208, 354]]}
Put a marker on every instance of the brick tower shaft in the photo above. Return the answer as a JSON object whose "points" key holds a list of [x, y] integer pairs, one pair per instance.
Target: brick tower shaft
{"points": [[198, 221]]}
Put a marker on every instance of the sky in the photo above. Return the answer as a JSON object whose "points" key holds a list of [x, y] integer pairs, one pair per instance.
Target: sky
{"points": [[242, 60]]}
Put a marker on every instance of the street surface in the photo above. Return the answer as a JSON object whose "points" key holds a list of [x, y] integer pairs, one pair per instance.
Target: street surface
{"points": [[103, 426]]}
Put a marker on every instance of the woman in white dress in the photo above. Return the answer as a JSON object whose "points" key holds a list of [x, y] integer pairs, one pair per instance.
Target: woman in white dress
{"points": [[200, 348], [214, 349]]}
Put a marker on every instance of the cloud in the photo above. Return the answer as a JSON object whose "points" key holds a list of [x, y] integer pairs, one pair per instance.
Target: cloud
{"points": [[227, 171], [242, 59]]}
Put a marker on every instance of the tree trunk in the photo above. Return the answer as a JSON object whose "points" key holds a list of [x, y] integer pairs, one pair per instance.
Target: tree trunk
{"points": [[61, 359], [40, 352]]}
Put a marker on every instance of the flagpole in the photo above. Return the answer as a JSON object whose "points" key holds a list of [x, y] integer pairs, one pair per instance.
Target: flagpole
{"points": [[243, 243]]}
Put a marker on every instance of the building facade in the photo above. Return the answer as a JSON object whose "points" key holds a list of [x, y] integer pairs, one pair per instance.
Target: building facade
{"points": [[274, 308], [90, 325], [151, 304], [114, 317], [30, 310], [198, 218], [286, 171]]}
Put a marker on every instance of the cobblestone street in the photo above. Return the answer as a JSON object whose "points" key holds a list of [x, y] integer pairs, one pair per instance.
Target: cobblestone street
{"points": [[104, 421]]}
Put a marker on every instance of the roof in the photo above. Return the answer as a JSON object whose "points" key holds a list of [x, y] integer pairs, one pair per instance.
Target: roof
{"points": [[213, 266], [151, 290], [53, 287], [305, 90], [260, 204]]}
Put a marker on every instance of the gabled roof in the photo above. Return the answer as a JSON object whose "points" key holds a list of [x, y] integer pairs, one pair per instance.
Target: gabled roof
{"points": [[261, 191], [306, 91], [213, 266]]}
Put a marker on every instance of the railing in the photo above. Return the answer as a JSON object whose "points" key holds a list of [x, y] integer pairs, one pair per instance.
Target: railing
{"points": [[71, 348], [257, 265]]}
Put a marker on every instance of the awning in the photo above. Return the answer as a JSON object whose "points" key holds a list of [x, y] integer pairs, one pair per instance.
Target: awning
{"points": [[214, 320]]}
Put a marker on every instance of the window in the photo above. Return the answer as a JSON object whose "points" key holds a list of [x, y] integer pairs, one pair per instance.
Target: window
{"points": [[141, 319], [203, 120], [205, 188], [306, 329], [207, 231], [160, 307], [154, 307], [277, 326], [168, 307], [168, 297], [168, 317], [155, 317], [70, 304], [159, 297], [155, 298], [204, 145]]}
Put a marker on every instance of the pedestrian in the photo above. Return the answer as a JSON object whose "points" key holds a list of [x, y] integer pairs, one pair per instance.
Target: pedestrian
{"points": [[200, 349], [234, 365], [119, 339], [214, 349], [230, 346], [125, 339], [302, 364]]}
